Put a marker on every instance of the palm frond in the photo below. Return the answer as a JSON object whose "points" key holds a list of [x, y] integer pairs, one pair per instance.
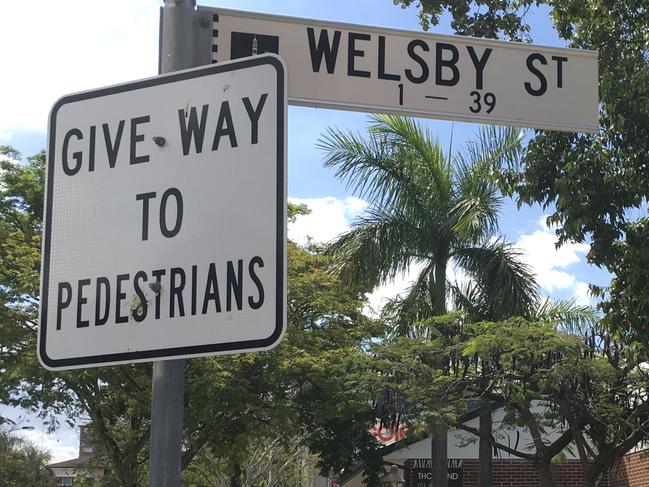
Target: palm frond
{"points": [[505, 282], [374, 169], [475, 214], [381, 244], [427, 208], [407, 134], [478, 198], [405, 311], [466, 296], [496, 147], [567, 315]]}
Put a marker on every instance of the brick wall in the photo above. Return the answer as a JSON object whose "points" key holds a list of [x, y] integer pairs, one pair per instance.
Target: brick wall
{"points": [[633, 471], [521, 473]]}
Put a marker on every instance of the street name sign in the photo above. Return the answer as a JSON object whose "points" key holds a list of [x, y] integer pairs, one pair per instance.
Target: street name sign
{"points": [[372, 69], [165, 226]]}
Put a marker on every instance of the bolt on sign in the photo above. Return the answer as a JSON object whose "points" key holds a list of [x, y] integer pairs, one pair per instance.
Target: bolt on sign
{"points": [[165, 226], [375, 69]]}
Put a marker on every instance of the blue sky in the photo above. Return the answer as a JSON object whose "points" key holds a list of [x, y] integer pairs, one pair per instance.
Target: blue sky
{"points": [[54, 48]]}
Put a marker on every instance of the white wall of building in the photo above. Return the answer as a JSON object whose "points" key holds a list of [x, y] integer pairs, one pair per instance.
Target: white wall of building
{"points": [[462, 444], [465, 445]]}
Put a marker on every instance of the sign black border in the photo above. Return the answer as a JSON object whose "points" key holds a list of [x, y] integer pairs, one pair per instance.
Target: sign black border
{"points": [[144, 355]]}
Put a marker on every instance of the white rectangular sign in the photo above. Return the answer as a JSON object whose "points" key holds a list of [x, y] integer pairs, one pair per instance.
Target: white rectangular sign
{"points": [[165, 227], [370, 69]]}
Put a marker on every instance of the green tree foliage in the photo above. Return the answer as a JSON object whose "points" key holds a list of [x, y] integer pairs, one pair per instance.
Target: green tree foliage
{"points": [[584, 393], [329, 362], [601, 394], [21, 215], [428, 209], [484, 360], [85, 479], [434, 211], [271, 462], [595, 182], [627, 306], [509, 363], [594, 384], [307, 384], [313, 385], [480, 18], [22, 464]]}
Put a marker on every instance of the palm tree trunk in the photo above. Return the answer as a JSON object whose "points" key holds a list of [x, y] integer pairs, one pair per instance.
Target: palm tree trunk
{"points": [[485, 456], [437, 284], [439, 461], [438, 440]]}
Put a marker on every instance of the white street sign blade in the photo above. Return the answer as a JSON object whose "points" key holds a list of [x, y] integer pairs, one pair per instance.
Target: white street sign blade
{"points": [[373, 69], [165, 227]]}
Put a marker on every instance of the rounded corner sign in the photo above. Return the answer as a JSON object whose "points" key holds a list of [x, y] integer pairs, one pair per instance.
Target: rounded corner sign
{"points": [[165, 226], [382, 70]]}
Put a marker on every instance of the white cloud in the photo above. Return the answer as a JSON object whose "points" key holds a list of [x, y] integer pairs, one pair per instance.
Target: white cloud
{"points": [[329, 218], [582, 295], [398, 287], [548, 262], [62, 444], [54, 48]]}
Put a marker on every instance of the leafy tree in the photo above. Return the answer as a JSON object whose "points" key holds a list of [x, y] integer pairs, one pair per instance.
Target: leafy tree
{"points": [[312, 385], [596, 183], [271, 462], [593, 384], [21, 215], [589, 387], [515, 364], [476, 365], [627, 306], [230, 402], [21, 464], [434, 211], [516, 359], [601, 394], [477, 18]]}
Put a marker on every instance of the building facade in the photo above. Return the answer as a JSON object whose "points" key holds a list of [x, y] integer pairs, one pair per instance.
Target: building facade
{"points": [[88, 463]]}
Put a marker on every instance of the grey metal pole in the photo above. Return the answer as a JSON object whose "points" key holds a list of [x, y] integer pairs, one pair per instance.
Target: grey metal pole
{"points": [[177, 44], [166, 423], [176, 52]]}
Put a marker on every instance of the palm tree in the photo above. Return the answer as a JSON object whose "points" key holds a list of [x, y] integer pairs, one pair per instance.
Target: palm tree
{"points": [[432, 211]]}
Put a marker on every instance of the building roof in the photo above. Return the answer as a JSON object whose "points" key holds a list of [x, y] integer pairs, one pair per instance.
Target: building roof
{"points": [[86, 452], [75, 462]]}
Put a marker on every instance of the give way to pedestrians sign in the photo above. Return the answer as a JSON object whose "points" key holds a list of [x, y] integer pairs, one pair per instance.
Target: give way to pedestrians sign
{"points": [[165, 231]]}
